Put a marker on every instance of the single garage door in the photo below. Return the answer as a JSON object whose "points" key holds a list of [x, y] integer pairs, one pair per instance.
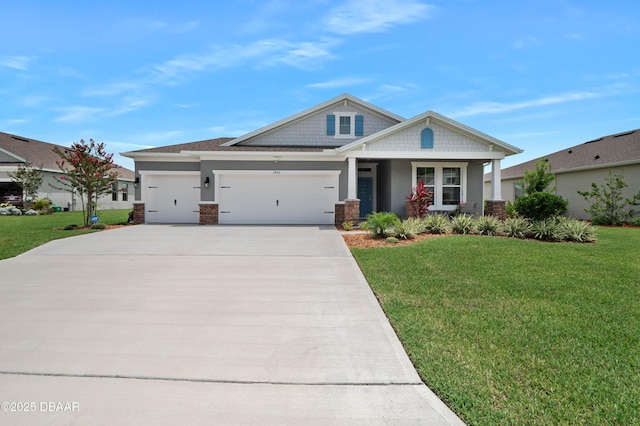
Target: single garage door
{"points": [[277, 197], [171, 198]]}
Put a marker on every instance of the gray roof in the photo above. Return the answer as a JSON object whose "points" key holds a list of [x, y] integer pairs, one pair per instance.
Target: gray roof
{"points": [[217, 145], [39, 154], [602, 152]]}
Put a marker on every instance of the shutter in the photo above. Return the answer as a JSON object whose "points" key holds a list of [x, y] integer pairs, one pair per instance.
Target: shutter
{"points": [[426, 138], [331, 125], [359, 125]]}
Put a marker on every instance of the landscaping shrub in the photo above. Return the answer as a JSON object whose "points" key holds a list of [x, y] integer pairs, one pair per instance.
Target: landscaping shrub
{"points": [[515, 227], [547, 230], [41, 204], [70, 227], [436, 224], [510, 209], [419, 200], [463, 224], [635, 221], [608, 205], [409, 228], [382, 224], [392, 240], [488, 225], [98, 226], [347, 226], [541, 205], [578, 231]]}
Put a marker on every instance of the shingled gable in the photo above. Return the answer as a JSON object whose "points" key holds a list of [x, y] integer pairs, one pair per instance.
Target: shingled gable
{"points": [[429, 117], [344, 99]]}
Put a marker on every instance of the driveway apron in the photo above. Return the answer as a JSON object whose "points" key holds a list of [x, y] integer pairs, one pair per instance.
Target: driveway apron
{"points": [[169, 324]]}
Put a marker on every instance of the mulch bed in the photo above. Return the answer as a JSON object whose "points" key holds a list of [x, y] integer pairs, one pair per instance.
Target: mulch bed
{"points": [[360, 240]]}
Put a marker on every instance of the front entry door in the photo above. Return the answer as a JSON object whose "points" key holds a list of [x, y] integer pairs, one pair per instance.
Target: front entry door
{"points": [[365, 194]]}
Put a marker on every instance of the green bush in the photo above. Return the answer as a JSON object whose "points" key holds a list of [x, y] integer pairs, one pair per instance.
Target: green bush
{"points": [[541, 205], [488, 225], [635, 221], [382, 224], [98, 226], [547, 230], [41, 205], [510, 209], [347, 226], [436, 224], [70, 227], [410, 227], [515, 227], [578, 231], [463, 224], [392, 240], [608, 205]]}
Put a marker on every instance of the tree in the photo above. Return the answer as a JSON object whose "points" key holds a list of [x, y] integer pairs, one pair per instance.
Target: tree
{"points": [[88, 169], [540, 179], [608, 205], [29, 179]]}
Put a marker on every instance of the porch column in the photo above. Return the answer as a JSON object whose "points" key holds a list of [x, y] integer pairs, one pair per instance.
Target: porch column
{"points": [[352, 187], [495, 205], [496, 180]]}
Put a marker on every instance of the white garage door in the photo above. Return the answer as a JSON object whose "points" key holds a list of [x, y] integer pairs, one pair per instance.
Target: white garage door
{"points": [[283, 197], [171, 198]]}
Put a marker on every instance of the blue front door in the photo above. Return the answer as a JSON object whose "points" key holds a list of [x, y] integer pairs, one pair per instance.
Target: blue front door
{"points": [[365, 194]]}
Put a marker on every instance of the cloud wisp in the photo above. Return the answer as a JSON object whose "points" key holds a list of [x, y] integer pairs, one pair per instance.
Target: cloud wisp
{"points": [[373, 16], [20, 63], [339, 82]]}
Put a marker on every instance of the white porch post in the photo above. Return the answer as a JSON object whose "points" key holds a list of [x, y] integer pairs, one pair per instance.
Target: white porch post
{"points": [[496, 180], [352, 187]]}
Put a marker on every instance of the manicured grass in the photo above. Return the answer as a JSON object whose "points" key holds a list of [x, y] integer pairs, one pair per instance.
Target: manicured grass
{"points": [[21, 233], [511, 331]]}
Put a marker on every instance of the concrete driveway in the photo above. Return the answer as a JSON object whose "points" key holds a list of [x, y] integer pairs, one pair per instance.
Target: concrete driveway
{"points": [[160, 324]]}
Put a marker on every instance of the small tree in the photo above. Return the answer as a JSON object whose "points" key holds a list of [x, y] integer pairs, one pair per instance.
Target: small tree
{"points": [[29, 179], [608, 205], [419, 200], [88, 170], [540, 179]]}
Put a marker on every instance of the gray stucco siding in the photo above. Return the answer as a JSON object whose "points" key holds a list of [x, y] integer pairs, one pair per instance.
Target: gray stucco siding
{"points": [[444, 140], [208, 166], [312, 130]]}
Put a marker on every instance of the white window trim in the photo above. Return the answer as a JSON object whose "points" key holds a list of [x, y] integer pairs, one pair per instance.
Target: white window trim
{"points": [[437, 196], [352, 134]]}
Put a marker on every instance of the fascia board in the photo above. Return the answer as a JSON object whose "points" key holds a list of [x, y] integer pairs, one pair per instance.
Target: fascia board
{"points": [[454, 155]]}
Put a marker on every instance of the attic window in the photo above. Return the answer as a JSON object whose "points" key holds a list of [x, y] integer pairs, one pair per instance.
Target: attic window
{"points": [[20, 139], [345, 125], [426, 138]]}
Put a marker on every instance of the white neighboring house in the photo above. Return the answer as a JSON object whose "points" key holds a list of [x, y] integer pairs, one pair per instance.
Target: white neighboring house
{"points": [[17, 150], [579, 166]]}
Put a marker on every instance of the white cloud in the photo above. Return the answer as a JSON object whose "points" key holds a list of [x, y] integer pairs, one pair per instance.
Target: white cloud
{"points": [[499, 107], [16, 62], [339, 82], [112, 89], [78, 113], [371, 16]]}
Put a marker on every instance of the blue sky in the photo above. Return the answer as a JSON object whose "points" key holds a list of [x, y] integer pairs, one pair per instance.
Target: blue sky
{"points": [[540, 75]]}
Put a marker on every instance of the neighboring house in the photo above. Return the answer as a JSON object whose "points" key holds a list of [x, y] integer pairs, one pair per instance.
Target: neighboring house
{"points": [[17, 150], [579, 166], [337, 161]]}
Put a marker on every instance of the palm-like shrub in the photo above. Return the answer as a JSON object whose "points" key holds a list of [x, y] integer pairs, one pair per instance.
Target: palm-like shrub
{"points": [[547, 230], [515, 227], [488, 225], [463, 224], [436, 224], [578, 231], [409, 228], [382, 224]]}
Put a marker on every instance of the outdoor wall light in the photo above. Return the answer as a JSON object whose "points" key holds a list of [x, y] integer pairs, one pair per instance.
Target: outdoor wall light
{"points": [[206, 182], [136, 181]]}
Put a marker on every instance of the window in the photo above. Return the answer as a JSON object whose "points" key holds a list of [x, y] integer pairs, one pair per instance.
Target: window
{"points": [[518, 190], [426, 138], [125, 192], [345, 125], [114, 192], [446, 180]]}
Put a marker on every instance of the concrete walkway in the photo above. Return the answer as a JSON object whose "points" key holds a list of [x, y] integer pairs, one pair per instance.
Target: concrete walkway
{"points": [[160, 324]]}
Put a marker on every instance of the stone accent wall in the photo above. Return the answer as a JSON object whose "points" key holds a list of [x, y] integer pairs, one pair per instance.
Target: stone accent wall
{"points": [[138, 213], [496, 208], [339, 214], [352, 210], [208, 214]]}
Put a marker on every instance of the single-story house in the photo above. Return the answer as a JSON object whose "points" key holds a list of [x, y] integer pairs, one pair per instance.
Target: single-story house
{"points": [[337, 161], [577, 167], [18, 150]]}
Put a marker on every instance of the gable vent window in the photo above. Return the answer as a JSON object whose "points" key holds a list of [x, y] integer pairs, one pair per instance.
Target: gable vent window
{"points": [[426, 138], [345, 125]]}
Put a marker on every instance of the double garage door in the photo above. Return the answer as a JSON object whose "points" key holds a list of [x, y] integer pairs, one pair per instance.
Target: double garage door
{"points": [[245, 197], [276, 197]]}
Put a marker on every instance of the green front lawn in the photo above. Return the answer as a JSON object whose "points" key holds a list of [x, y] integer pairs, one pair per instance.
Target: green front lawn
{"points": [[511, 331], [21, 233]]}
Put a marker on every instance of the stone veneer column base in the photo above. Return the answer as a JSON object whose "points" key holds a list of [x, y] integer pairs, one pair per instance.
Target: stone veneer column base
{"points": [[138, 213], [208, 214], [496, 208], [352, 210], [338, 216]]}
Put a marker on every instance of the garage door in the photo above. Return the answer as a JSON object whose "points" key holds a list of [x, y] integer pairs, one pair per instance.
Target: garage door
{"points": [[283, 197], [171, 198]]}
